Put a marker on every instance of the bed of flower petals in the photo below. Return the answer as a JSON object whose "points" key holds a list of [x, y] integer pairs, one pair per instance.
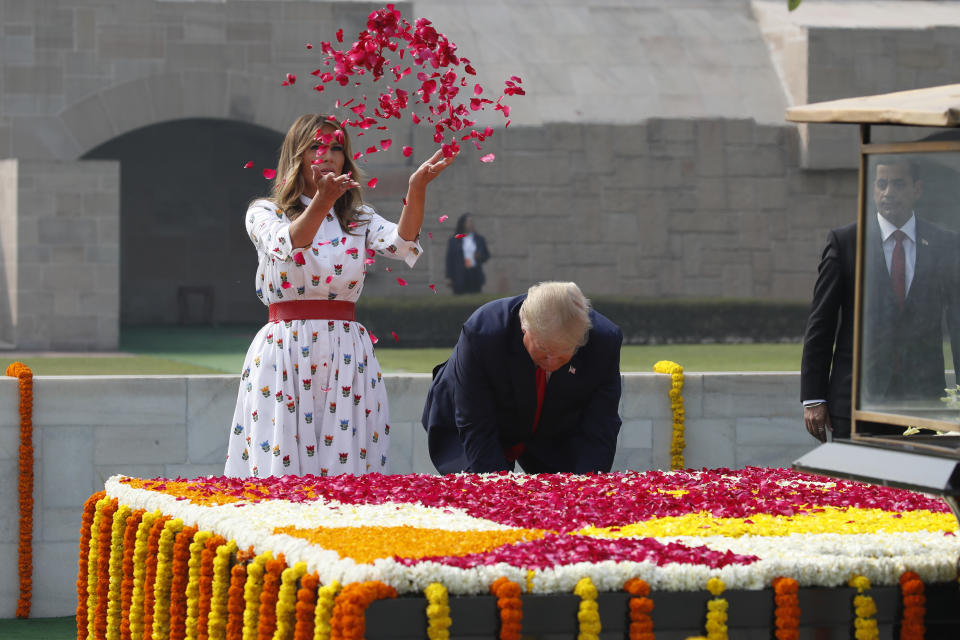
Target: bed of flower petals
{"points": [[675, 530]]}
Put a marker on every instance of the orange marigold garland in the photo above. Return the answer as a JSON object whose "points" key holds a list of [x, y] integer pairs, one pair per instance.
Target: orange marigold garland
{"points": [[86, 531], [126, 585], [786, 614], [104, 544], [178, 585], [235, 601], [267, 620], [24, 377], [193, 581], [207, 556], [150, 576], [914, 607], [306, 604], [510, 606], [641, 606], [349, 621]]}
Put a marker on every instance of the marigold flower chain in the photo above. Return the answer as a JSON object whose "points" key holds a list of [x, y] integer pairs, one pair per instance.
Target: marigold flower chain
{"points": [[324, 612], [677, 442], [217, 622], [193, 581], [287, 600], [205, 586], [150, 575], [251, 595], [589, 614], [510, 606], [641, 623], [438, 612], [865, 625], [24, 377], [235, 601], [306, 605], [267, 620], [161, 615], [139, 574], [117, 530], [348, 620], [716, 625], [105, 544], [86, 531], [92, 566], [914, 607], [126, 587], [786, 614], [178, 585]]}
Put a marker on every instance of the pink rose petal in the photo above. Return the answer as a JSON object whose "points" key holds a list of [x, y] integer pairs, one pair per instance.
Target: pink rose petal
{"points": [[443, 218], [269, 174], [407, 151], [401, 282], [249, 165], [487, 158], [396, 338], [372, 183]]}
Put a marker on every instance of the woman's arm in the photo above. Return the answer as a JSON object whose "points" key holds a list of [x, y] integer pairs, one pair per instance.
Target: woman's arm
{"points": [[411, 218]]}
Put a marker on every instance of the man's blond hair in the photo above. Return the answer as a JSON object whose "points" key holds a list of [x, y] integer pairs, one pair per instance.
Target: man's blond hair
{"points": [[557, 313]]}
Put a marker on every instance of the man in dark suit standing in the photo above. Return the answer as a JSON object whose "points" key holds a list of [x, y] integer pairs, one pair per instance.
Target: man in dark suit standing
{"points": [[909, 281], [533, 379]]}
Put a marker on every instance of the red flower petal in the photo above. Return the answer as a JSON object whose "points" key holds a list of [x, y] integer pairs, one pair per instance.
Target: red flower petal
{"points": [[298, 258], [407, 151], [249, 165], [433, 288], [309, 46], [460, 235], [269, 174], [385, 144], [401, 282], [339, 35], [430, 234], [415, 118], [286, 285], [487, 158], [373, 183], [329, 278], [374, 339], [291, 78], [368, 261], [371, 150], [319, 87], [396, 338], [477, 90], [442, 218]]}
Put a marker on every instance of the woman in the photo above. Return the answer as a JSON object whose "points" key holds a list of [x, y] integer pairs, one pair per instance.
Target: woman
{"points": [[466, 253], [311, 396]]}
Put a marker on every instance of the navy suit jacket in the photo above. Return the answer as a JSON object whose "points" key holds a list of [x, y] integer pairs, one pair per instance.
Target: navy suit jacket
{"points": [[913, 337], [483, 400]]}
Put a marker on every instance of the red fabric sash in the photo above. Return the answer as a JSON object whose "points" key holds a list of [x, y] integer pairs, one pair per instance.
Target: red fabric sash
{"points": [[312, 310]]}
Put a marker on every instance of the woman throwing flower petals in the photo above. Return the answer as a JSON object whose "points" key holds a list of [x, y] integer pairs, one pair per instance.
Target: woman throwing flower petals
{"points": [[311, 396]]}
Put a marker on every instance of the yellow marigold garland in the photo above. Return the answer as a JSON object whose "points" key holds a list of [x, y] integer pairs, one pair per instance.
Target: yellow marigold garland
{"points": [[193, 582], [24, 377], [251, 595], [150, 576], [510, 606], [92, 557], [438, 612], [589, 615], [140, 573], [118, 528], [716, 611], [865, 625], [914, 609], [326, 596], [83, 573], [641, 623], [217, 621], [161, 589], [126, 587], [677, 441], [786, 614], [287, 601]]}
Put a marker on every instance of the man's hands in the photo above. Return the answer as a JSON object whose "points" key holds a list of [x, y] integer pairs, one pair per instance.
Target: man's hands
{"points": [[817, 419]]}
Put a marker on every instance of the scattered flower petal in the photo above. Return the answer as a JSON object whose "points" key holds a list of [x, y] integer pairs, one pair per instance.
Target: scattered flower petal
{"points": [[443, 218], [269, 174], [249, 165], [407, 151], [401, 282], [372, 183], [396, 338], [487, 158]]}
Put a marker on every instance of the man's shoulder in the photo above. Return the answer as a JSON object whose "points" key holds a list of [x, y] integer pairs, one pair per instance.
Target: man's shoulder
{"points": [[603, 326], [493, 317]]}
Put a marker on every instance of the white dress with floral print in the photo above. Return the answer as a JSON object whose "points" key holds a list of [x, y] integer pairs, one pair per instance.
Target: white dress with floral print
{"points": [[311, 396]]}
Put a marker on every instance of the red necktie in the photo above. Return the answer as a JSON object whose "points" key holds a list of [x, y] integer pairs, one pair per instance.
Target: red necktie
{"points": [[898, 269], [516, 450]]}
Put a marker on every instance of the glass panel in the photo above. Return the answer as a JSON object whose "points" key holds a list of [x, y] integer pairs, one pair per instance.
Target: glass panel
{"points": [[911, 292]]}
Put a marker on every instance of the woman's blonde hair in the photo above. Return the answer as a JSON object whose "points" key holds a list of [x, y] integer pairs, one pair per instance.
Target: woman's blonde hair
{"points": [[556, 312], [288, 183]]}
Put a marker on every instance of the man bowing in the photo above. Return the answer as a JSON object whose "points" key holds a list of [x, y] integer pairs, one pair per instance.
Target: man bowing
{"points": [[533, 379]]}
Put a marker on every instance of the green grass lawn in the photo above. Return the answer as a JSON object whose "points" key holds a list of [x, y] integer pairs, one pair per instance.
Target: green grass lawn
{"points": [[197, 350]]}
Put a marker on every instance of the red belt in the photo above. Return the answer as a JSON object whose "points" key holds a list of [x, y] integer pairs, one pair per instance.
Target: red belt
{"points": [[313, 310]]}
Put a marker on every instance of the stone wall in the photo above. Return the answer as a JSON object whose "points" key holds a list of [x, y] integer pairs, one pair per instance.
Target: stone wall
{"points": [[89, 428], [60, 254]]}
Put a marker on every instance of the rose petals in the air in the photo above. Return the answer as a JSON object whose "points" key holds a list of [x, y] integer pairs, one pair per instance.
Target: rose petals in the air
{"points": [[269, 174], [373, 183], [249, 165], [401, 282], [487, 158]]}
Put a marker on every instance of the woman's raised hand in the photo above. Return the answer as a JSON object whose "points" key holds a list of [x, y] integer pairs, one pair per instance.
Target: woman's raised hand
{"points": [[330, 187], [431, 168]]}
